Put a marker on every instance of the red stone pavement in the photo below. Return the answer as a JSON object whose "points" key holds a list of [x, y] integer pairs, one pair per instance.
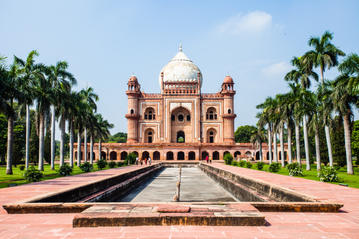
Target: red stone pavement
{"points": [[344, 224]]}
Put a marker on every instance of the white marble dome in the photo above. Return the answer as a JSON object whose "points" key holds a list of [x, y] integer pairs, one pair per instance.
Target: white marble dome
{"points": [[180, 68]]}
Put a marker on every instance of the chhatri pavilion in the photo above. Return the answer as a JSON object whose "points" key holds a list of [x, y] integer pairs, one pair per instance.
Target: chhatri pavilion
{"points": [[180, 122]]}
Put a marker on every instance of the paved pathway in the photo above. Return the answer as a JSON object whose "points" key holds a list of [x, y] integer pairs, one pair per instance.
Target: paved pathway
{"points": [[281, 225]]}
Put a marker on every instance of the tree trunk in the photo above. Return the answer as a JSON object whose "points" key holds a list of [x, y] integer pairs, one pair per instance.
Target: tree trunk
{"points": [[275, 153], [329, 145], [269, 144], [41, 142], [289, 141], [27, 138], [53, 143], [326, 128], [282, 146], [297, 142], [85, 145], [10, 142], [317, 147], [78, 148], [100, 148], [91, 149], [62, 139], [348, 150], [306, 143], [71, 153]]}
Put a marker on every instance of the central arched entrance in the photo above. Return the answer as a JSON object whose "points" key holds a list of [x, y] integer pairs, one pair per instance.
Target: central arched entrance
{"points": [[181, 137], [181, 125]]}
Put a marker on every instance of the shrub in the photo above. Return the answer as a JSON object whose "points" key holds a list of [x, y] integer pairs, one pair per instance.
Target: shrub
{"points": [[119, 164], [65, 170], [274, 167], [228, 158], [22, 167], [112, 164], [242, 163], [130, 158], [248, 164], [260, 165], [101, 164], [234, 163], [295, 169], [86, 167], [33, 175], [328, 174]]}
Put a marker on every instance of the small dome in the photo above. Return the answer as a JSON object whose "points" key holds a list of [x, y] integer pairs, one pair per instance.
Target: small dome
{"points": [[228, 80], [180, 68], [133, 79]]}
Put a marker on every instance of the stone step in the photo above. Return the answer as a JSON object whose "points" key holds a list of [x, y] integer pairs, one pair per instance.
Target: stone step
{"points": [[238, 214]]}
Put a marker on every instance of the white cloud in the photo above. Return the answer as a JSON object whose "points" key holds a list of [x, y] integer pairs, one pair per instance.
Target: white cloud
{"points": [[277, 69], [252, 22]]}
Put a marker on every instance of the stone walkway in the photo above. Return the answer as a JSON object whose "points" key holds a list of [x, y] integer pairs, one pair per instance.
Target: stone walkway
{"points": [[280, 225]]}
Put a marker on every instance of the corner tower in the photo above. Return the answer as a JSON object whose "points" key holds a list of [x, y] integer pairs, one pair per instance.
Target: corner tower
{"points": [[133, 93], [228, 106]]}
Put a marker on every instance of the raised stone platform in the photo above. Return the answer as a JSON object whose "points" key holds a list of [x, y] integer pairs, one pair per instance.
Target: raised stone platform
{"points": [[233, 214]]}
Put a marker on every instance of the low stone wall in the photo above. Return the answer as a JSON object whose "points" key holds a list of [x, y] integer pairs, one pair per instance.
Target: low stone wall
{"points": [[251, 190], [81, 193]]}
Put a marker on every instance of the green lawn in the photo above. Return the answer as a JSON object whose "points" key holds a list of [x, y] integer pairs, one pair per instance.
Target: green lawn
{"points": [[18, 175], [351, 180]]}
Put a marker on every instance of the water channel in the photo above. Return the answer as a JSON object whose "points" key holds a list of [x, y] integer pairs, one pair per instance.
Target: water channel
{"points": [[196, 186]]}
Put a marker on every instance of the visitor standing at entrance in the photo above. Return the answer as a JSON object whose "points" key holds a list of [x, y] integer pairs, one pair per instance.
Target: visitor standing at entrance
{"points": [[149, 160], [146, 161], [137, 160], [207, 158]]}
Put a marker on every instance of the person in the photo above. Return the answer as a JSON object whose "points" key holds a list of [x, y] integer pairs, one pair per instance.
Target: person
{"points": [[149, 160], [137, 160], [141, 161], [146, 161], [207, 158], [210, 160]]}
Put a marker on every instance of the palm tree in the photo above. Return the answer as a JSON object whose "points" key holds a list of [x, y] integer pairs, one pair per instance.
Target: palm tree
{"points": [[44, 95], [10, 93], [344, 96], [61, 81], [28, 71], [73, 100], [257, 138], [325, 56], [89, 98], [102, 132], [265, 118], [286, 102], [314, 107], [302, 75]]}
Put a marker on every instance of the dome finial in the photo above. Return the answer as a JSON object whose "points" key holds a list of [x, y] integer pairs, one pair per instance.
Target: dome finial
{"points": [[180, 47]]}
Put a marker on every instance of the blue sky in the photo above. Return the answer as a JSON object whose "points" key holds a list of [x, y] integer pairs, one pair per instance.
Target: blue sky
{"points": [[106, 41]]}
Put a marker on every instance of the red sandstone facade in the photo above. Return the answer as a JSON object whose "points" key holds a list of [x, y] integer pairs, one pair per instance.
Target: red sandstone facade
{"points": [[181, 122]]}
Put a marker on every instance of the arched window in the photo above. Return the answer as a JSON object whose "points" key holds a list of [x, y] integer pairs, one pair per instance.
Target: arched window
{"points": [[229, 111], [132, 111], [173, 117], [211, 114], [149, 136], [188, 117], [211, 135], [150, 114]]}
